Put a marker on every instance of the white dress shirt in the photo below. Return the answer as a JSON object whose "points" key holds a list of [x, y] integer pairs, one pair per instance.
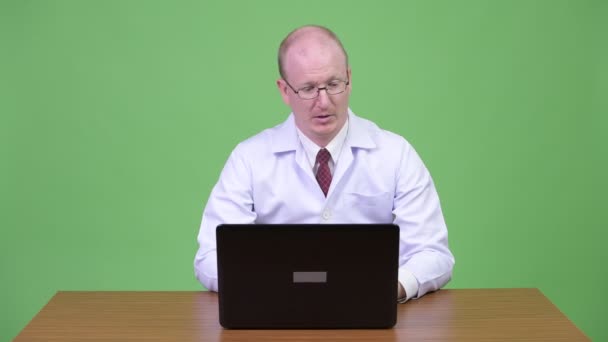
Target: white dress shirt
{"points": [[334, 147], [379, 178]]}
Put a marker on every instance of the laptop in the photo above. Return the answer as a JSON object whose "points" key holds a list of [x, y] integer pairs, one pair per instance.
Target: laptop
{"points": [[307, 276]]}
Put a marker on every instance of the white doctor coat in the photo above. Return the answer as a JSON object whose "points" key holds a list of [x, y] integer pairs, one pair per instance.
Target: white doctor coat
{"points": [[379, 178]]}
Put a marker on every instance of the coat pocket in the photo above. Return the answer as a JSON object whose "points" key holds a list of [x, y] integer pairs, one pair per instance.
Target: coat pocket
{"points": [[381, 200]]}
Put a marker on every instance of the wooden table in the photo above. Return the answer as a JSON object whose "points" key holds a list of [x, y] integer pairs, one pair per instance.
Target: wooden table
{"points": [[446, 315]]}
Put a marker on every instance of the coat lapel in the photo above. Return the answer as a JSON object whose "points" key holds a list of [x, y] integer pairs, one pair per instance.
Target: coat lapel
{"points": [[284, 139], [358, 137]]}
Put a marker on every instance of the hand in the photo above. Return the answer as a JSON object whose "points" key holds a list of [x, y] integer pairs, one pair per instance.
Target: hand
{"points": [[400, 291]]}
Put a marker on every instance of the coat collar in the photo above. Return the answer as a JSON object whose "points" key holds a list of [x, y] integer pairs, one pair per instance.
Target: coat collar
{"points": [[284, 137]]}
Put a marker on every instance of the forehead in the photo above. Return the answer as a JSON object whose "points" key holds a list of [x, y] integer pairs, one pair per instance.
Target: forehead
{"points": [[313, 56]]}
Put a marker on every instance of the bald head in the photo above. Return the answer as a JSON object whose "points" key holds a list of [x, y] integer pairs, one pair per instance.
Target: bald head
{"points": [[308, 40]]}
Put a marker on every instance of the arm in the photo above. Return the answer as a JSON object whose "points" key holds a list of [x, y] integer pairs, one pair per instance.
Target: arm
{"points": [[425, 260], [230, 201]]}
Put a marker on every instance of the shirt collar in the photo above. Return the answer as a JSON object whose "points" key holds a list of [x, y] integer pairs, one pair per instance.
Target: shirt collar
{"points": [[334, 147], [284, 137]]}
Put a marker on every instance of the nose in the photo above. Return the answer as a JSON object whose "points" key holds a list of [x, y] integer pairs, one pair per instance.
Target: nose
{"points": [[323, 99]]}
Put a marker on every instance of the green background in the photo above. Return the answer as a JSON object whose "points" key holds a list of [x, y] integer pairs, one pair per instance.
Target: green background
{"points": [[117, 117]]}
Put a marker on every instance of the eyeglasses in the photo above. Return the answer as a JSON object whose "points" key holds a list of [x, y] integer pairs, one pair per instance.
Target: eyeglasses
{"points": [[310, 92]]}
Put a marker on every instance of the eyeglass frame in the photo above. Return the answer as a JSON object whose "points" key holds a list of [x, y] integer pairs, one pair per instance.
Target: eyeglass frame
{"points": [[297, 92]]}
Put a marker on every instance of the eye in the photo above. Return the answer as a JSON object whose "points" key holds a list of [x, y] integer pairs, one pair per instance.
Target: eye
{"points": [[333, 84], [307, 89]]}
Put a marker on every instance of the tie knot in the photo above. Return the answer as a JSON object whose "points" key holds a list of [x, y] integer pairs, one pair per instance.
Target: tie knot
{"points": [[323, 156]]}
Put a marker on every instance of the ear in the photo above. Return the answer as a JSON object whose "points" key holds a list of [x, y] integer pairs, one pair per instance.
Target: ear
{"points": [[284, 89], [350, 79]]}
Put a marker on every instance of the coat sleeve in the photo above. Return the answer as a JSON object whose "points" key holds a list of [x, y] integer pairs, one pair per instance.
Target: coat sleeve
{"points": [[423, 248], [231, 201]]}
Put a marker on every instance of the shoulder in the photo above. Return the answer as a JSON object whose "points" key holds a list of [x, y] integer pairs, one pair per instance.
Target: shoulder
{"points": [[389, 149], [265, 142], [382, 138]]}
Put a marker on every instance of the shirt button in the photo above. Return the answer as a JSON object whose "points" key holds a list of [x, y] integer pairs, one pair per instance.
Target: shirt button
{"points": [[326, 215]]}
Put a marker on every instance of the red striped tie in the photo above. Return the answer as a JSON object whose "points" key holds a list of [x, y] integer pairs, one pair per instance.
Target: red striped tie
{"points": [[323, 173]]}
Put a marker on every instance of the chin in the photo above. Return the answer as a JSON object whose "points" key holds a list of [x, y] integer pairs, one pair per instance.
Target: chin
{"points": [[325, 132]]}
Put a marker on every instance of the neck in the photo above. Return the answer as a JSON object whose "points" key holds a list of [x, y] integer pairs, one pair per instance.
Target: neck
{"points": [[321, 141]]}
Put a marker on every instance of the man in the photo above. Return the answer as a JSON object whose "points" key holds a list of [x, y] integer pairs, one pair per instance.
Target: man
{"points": [[324, 164]]}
